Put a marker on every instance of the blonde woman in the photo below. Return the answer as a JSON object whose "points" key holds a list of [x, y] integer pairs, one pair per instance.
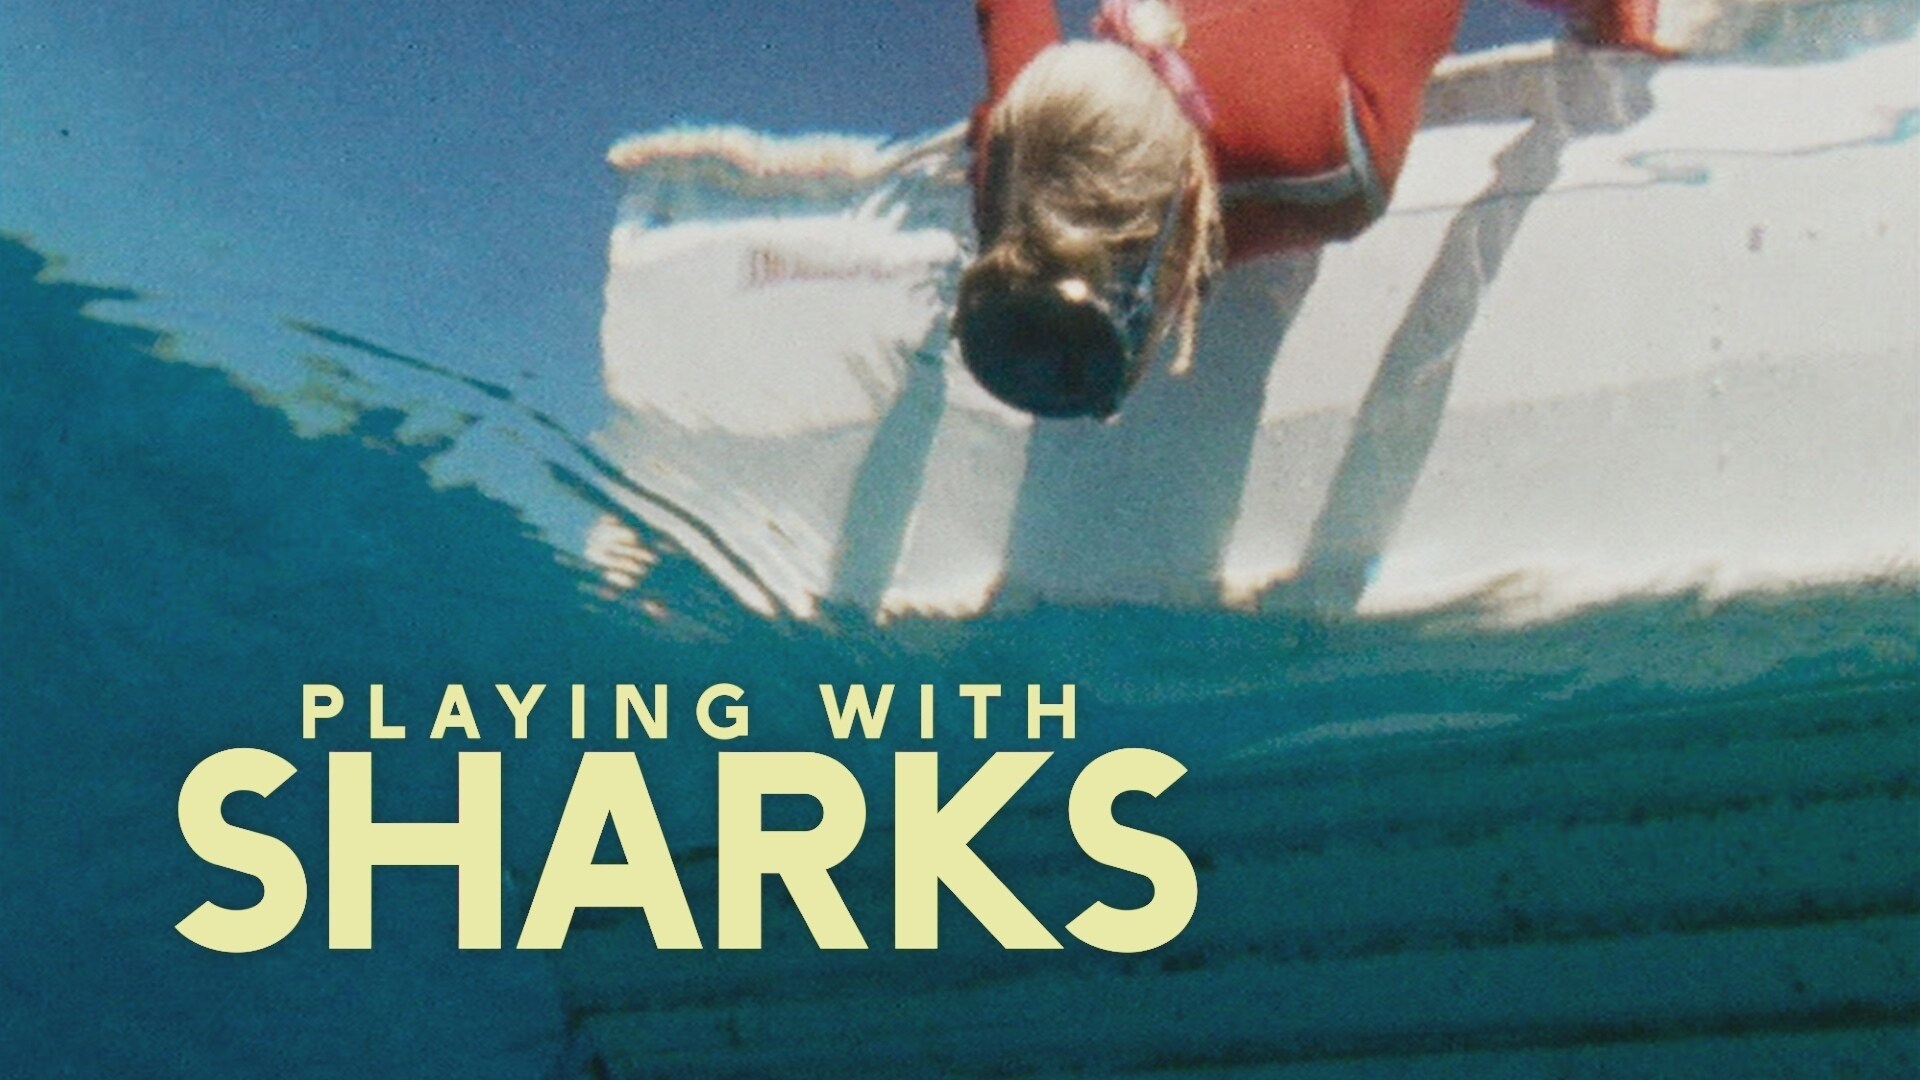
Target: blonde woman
{"points": [[1113, 176]]}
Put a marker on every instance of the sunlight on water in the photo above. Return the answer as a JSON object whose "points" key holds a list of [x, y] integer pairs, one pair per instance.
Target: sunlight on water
{"points": [[1544, 679]]}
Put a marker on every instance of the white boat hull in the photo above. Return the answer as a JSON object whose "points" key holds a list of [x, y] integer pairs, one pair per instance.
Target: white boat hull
{"points": [[1628, 327]]}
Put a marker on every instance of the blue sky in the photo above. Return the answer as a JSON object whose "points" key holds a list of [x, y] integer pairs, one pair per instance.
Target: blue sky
{"points": [[428, 174]]}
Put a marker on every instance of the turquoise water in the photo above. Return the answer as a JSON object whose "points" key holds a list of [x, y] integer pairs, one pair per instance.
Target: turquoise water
{"points": [[1412, 798], [280, 408]]}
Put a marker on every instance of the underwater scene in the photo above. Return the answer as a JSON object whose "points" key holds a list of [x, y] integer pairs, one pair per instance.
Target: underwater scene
{"points": [[1511, 625]]}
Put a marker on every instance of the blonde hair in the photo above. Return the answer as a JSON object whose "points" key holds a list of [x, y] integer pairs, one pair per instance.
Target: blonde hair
{"points": [[1085, 151]]}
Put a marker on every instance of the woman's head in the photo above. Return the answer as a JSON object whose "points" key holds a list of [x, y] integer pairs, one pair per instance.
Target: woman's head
{"points": [[1098, 204]]}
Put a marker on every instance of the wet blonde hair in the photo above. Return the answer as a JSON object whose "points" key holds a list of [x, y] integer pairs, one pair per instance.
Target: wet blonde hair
{"points": [[1084, 153]]}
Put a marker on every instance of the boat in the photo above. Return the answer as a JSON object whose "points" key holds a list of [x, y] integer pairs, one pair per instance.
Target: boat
{"points": [[1628, 326], [1531, 582]]}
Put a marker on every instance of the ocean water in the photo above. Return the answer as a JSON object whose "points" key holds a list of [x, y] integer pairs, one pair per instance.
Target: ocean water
{"points": [[1667, 833], [1665, 830]]}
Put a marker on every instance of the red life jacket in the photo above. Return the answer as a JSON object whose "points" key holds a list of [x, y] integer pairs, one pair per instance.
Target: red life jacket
{"points": [[1314, 101]]}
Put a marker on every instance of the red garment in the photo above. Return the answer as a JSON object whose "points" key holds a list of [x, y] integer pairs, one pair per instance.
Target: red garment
{"points": [[1314, 101]]}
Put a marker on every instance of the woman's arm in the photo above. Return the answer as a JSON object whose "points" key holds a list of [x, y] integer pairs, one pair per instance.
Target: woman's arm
{"points": [[1625, 24], [1390, 52]]}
